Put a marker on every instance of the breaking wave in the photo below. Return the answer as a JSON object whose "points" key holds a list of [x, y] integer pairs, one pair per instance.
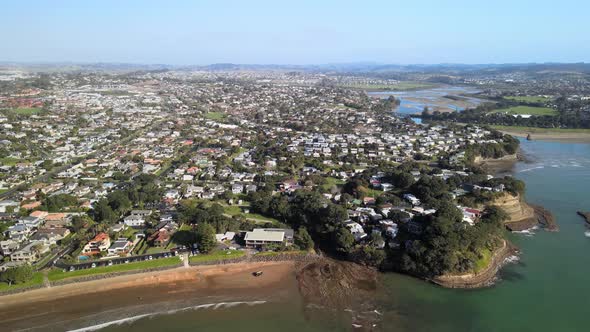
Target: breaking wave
{"points": [[587, 233], [169, 312], [531, 169]]}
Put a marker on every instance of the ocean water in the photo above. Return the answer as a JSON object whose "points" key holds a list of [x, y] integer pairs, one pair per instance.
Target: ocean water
{"points": [[547, 288]]}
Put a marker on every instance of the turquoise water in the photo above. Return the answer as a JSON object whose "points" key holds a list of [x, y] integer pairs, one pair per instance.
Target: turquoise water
{"points": [[548, 289]]}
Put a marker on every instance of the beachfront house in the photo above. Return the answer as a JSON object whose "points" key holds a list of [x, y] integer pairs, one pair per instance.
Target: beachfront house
{"points": [[101, 242], [262, 237]]}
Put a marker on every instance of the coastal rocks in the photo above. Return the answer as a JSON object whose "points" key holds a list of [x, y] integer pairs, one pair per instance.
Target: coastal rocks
{"points": [[585, 215], [333, 283], [339, 288], [522, 216], [497, 165], [483, 278]]}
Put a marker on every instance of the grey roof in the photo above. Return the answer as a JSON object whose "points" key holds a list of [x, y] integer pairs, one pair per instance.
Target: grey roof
{"points": [[261, 234]]}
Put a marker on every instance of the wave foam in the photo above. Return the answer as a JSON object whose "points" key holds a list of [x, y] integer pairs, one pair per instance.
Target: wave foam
{"points": [[169, 312], [531, 169], [512, 259], [587, 233]]}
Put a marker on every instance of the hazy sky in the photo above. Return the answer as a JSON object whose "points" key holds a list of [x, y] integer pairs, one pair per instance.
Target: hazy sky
{"points": [[296, 32]]}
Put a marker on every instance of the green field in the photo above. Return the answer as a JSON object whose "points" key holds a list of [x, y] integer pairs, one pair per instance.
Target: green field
{"points": [[527, 110], [26, 111], [402, 86], [235, 210], [217, 256], [36, 280], [10, 161], [330, 182], [484, 261], [215, 115], [528, 99], [59, 274]]}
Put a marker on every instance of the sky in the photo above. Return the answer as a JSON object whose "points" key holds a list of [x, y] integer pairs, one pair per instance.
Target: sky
{"points": [[295, 32]]}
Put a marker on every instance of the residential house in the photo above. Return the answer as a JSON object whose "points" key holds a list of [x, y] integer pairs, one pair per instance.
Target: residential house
{"points": [[261, 237], [101, 242]]}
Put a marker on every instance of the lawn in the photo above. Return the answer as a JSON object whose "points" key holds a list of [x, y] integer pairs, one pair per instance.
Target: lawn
{"points": [[26, 111], [527, 110], [235, 210], [330, 182], [484, 261], [59, 274], [10, 161], [216, 256], [528, 99], [215, 115], [36, 280]]}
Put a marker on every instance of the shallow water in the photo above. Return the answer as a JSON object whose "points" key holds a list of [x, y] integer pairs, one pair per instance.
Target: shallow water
{"points": [[413, 102]]}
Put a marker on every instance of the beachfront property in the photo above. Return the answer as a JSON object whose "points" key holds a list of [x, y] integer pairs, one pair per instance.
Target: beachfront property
{"points": [[261, 237], [120, 246], [101, 242], [29, 253]]}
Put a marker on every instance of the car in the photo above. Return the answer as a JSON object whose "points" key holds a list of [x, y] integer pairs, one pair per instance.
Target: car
{"points": [[72, 268], [110, 263], [150, 258], [126, 261], [93, 265]]}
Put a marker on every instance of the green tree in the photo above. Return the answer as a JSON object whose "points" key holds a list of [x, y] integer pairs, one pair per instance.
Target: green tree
{"points": [[103, 212], [119, 201], [343, 240], [303, 240], [17, 275], [205, 237]]}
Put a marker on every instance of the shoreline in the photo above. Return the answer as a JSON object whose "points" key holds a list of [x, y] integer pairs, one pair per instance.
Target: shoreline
{"points": [[231, 275], [481, 279], [542, 134]]}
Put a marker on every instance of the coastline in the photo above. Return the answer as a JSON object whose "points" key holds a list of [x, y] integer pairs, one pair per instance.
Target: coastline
{"points": [[585, 216], [543, 134], [483, 278], [229, 275]]}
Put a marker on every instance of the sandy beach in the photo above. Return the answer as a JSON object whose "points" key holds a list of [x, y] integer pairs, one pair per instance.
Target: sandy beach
{"points": [[189, 286], [547, 135]]}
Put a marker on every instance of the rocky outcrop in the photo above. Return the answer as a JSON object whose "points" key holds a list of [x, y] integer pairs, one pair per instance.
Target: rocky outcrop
{"points": [[483, 278], [522, 215], [497, 165], [585, 215], [517, 209]]}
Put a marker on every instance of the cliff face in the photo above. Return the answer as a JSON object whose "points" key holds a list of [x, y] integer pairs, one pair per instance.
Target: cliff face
{"points": [[516, 208], [521, 216], [509, 157], [498, 165]]}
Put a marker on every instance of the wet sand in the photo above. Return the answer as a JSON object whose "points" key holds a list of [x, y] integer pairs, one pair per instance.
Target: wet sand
{"points": [[92, 302], [564, 137]]}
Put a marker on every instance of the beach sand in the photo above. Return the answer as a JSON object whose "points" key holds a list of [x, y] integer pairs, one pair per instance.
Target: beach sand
{"points": [[86, 303], [561, 136]]}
